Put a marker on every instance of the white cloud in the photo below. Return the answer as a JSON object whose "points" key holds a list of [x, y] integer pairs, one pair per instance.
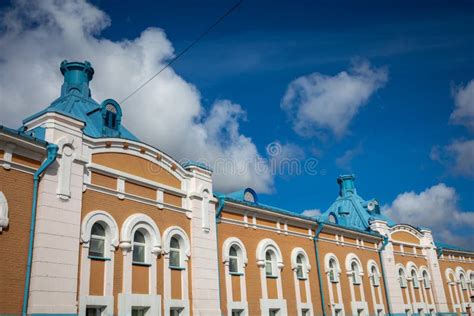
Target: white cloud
{"points": [[437, 208], [312, 212], [167, 113], [458, 157], [463, 113], [345, 161], [463, 155], [317, 102]]}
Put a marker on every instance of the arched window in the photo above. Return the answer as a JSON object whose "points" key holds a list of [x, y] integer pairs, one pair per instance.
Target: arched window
{"points": [[139, 246], [426, 280], [175, 253], [300, 267], [110, 116], [356, 279], [97, 241], [462, 279], [233, 260], [333, 271], [374, 275], [270, 263], [471, 278], [414, 279], [402, 278]]}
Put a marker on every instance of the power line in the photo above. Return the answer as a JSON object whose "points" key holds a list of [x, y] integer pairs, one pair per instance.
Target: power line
{"points": [[228, 12]]}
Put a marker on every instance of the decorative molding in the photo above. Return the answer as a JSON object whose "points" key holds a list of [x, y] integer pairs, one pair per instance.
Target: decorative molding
{"points": [[140, 221], [184, 240], [4, 220], [262, 248], [111, 227]]}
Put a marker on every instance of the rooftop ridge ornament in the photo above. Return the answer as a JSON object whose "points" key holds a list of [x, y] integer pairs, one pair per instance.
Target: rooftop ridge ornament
{"points": [[77, 76], [346, 185]]}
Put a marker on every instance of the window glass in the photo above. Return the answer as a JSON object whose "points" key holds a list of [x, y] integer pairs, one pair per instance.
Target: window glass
{"points": [[274, 312], [426, 280], [463, 282], [414, 278], [300, 273], [233, 260], [333, 277], [355, 273], [138, 312], [111, 116], [98, 230], [248, 196], [175, 253], [375, 276], [237, 312], [97, 242], [269, 263], [402, 278], [93, 311], [139, 247], [175, 311]]}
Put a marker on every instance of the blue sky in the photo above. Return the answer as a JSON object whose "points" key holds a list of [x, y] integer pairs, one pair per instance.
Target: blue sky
{"points": [[399, 139]]}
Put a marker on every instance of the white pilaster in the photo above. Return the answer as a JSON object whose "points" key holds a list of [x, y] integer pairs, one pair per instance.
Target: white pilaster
{"points": [[204, 269], [58, 221], [435, 272], [392, 284]]}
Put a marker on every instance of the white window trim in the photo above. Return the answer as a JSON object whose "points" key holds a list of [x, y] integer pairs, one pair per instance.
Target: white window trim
{"points": [[340, 305], [243, 260], [126, 301], [185, 249], [263, 246], [356, 306], [376, 291], [132, 224], [3, 212], [427, 291], [306, 269], [112, 241]]}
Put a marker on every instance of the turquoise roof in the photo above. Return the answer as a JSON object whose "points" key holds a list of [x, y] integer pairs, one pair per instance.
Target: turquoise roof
{"points": [[351, 210], [76, 102], [442, 245], [239, 197]]}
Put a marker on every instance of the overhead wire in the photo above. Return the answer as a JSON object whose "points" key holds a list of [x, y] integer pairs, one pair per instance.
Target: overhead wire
{"points": [[207, 31]]}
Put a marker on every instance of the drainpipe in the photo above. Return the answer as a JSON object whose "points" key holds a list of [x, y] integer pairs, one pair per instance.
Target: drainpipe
{"points": [[52, 151], [387, 297], [439, 252], [316, 249], [220, 206]]}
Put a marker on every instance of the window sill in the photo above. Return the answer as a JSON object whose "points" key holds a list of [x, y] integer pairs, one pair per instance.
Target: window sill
{"points": [[141, 264], [177, 268], [98, 258], [272, 277], [236, 273]]}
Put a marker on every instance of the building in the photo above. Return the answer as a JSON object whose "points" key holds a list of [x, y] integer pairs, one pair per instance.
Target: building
{"points": [[95, 222]]}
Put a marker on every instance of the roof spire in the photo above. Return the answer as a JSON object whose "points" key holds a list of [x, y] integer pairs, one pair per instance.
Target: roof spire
{"points": [[346, 185], [77, 76]]}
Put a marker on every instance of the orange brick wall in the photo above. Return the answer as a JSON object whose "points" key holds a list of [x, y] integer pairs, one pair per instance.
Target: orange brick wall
{"points": [[120, 211], [18, 189], [341, 253], [250, 238]]}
